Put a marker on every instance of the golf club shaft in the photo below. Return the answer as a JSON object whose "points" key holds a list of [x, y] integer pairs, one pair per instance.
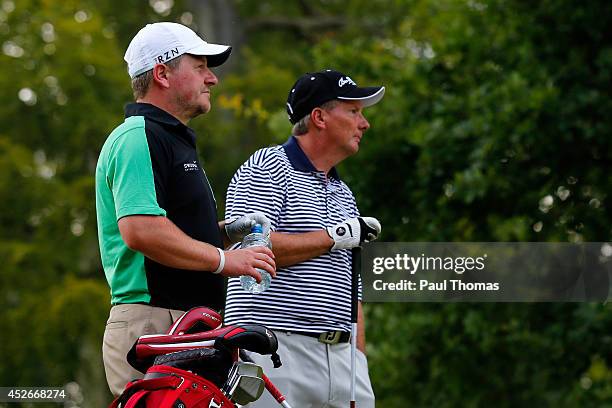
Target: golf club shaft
{"points": [[278, 396], [355, 267], [353, 360]]}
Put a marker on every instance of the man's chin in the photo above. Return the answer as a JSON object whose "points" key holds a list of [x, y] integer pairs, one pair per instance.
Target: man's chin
{"points": [[352, 150], [205, 106], [198, 110]]}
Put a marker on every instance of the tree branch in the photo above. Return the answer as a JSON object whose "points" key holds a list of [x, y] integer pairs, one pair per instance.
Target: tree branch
{"points": [[304, 25], [308, 9]]}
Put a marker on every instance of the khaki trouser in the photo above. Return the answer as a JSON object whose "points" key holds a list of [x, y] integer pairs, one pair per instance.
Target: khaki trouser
{"points": [[125, 324]]}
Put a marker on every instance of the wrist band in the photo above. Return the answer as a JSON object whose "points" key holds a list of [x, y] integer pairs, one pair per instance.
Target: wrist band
{"points": [[221, 261]]}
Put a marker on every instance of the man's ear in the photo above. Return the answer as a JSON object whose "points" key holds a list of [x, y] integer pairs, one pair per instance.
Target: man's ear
{"points": [[160, 75], [317, 118]]}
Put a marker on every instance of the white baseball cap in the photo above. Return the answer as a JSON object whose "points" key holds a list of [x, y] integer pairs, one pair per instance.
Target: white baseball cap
{"points": [[159, 43]]}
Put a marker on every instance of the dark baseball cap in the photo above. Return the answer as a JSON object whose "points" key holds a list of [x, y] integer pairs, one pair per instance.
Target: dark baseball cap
{"points": [[314, 89]]}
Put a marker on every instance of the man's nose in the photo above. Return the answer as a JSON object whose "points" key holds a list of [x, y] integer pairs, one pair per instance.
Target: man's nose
{"points": [[211, 79], [363, 123]]}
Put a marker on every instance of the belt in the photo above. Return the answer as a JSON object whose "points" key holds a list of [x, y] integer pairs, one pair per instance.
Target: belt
{"points": [[328, 337]]}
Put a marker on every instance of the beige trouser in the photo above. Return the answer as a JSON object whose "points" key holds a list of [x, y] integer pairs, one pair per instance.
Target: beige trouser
{"points": [[125, 324]]}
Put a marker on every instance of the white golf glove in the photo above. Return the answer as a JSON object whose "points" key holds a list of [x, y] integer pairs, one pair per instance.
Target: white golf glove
{"points": [[353, 232], [239, 227]]}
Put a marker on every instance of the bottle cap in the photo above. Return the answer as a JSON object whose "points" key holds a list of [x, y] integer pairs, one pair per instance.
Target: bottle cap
{"points": [[257, 229]]}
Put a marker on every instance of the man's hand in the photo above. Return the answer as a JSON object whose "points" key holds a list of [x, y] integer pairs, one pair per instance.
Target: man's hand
{"points": [[244, 262], [237, 228], [354, 232]]}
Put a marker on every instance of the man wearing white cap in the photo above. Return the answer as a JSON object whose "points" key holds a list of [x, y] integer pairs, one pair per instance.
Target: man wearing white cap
{"points": [[160, 242], [315, 223]]}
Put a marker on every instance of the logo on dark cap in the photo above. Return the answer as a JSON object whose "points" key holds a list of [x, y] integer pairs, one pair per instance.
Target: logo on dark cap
{"points": [[345, 80]]}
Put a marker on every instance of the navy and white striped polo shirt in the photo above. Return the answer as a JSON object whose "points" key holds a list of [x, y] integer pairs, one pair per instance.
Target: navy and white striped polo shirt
{"points": [[312, 296]]}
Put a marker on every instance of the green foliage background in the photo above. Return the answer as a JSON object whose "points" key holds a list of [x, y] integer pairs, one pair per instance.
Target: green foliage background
{"points": [[495, 127]]}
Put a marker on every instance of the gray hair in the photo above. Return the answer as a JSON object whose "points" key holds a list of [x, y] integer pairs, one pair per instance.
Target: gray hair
{"points": [[141, 83], [301, 126]]}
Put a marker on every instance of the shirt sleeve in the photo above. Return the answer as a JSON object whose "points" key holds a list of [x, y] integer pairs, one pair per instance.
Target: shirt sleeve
{"points": [[130, 176], [254, 188]]}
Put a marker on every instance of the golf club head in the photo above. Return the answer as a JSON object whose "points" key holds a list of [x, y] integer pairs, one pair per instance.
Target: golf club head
{"points": [[231, 379], [238, 369], [247, 389], [252, 369], [244, 383]]}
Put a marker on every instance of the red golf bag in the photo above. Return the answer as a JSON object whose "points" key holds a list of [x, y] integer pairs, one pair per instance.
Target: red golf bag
{"points": [[187, 367], [169, 387]]}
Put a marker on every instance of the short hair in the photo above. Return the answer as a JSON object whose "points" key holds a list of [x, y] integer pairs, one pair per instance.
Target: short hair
{"points": [[301, 126], [142, 82]]}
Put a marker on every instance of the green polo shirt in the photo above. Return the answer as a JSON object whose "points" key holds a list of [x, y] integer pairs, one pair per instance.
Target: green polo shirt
{"points": [[149, 166]]}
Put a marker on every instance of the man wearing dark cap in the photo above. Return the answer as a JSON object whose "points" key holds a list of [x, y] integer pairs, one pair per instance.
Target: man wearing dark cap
{"points": [[315, 223], [160, 242]]}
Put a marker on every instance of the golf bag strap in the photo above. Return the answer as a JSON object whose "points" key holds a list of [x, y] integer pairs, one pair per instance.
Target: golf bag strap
{"points": [[136, 390], [136, 398]]}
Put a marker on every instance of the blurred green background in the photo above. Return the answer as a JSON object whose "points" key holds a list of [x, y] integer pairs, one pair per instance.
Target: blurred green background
{"points": [[496, 126]]}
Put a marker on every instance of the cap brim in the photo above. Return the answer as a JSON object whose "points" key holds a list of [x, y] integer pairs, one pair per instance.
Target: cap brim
{"points": [[368, 96], [216, 54]]}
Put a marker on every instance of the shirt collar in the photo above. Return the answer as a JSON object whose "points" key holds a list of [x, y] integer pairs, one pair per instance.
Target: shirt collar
{"points": [[151, 112], [300, 161], [159, 115]]}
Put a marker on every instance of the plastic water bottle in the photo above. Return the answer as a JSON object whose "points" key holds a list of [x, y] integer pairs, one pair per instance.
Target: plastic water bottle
{"points": [[256, 238]]}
